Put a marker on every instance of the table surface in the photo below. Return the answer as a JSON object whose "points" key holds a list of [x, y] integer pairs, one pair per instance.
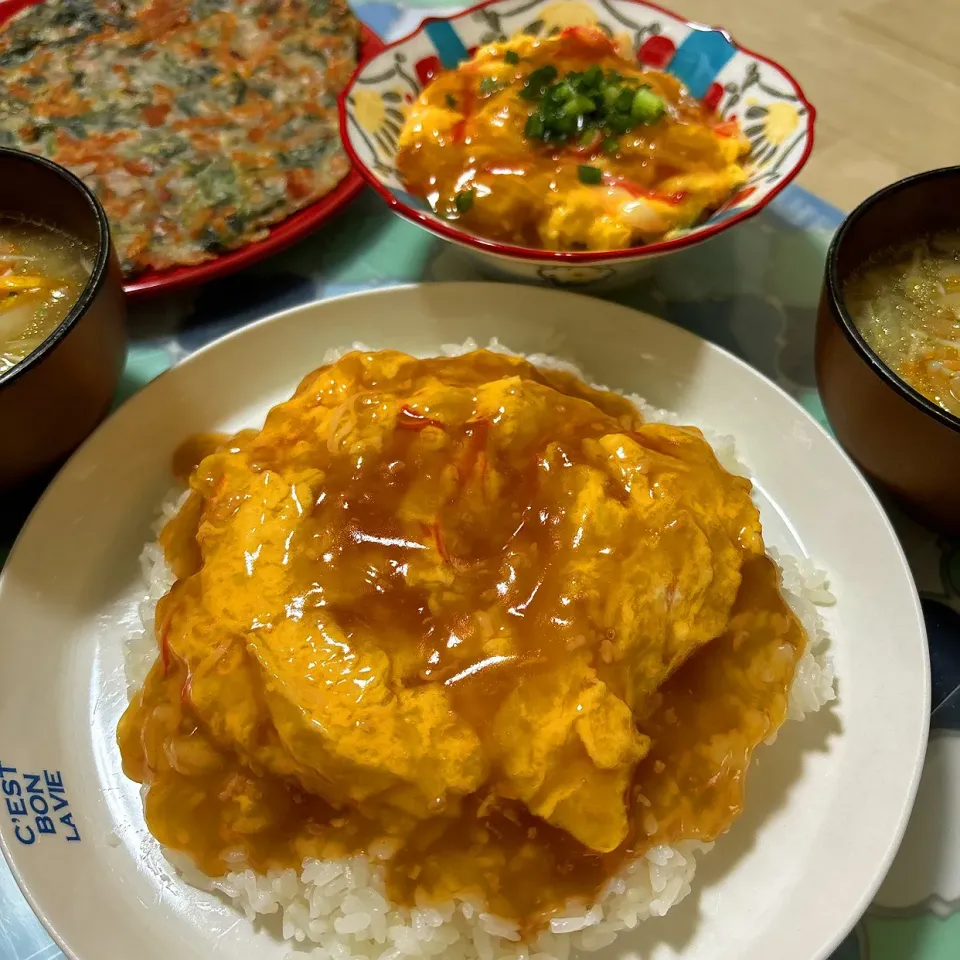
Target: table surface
{"points": [[754, 292], [884, 76]]}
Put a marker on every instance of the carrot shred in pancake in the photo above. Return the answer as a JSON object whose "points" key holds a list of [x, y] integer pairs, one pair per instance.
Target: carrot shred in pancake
{"points": [[198, 123]]}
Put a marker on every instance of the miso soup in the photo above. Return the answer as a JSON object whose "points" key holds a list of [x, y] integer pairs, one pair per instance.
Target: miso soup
{"points": [[42, 273], [906, 304]]}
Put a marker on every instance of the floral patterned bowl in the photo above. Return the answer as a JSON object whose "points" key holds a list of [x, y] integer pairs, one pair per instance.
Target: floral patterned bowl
{"points": [[768, 102]]}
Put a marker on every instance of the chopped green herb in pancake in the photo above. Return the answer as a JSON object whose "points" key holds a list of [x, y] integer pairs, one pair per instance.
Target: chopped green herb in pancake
{"points": [[197, 124]]}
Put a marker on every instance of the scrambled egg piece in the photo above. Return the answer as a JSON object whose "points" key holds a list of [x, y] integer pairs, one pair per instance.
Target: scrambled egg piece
{"points": [[465, 147], [423, 582], [567, 747]]}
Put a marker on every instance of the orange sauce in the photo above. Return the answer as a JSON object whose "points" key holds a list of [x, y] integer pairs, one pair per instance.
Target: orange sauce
{"points": [[417, 572]]}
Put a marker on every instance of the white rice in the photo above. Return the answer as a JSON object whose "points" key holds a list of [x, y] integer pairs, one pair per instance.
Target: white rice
{"points": [[339, 907]]}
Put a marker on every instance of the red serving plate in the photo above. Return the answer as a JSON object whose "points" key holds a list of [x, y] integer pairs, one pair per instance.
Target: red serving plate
{"points": [[295, 227]]}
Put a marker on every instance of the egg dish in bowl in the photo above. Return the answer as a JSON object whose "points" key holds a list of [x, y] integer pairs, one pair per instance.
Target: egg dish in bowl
{"points": [[573, 142], [564, 143]]}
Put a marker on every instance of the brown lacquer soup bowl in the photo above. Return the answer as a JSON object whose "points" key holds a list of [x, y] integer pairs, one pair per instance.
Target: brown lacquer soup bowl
{"points": [[53, 398], [903, 441]]}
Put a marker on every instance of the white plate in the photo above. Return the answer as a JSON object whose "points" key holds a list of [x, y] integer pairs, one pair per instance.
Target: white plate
{"points": [[826, 805]]}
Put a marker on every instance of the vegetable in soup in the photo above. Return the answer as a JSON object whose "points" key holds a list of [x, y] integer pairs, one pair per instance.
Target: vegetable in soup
{"points": [[906, 304], [42, 274]]}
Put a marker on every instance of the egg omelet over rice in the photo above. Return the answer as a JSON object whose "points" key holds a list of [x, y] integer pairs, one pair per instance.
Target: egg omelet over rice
{"points": [[459, 656]]}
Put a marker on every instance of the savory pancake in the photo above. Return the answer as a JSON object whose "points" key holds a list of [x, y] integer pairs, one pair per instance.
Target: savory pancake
{"points": [[198, 123]]}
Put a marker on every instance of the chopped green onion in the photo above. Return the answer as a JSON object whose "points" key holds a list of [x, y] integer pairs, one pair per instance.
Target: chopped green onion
{"points": [[619, 122], [583, 104], [578, 105], [590, 175], [593, 77], [512, 57], [489, 86], [464, 200], [610, 94], [535, 127], [646, 107], [451, 101], [536, 84]]}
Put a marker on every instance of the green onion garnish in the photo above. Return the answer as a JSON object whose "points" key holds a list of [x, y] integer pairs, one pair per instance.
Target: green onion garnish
{"points": [[578, 103], [647, 107], [464, 200], [512, 57], [534, 128], [592, 78], [578, 106], [451, 101], [489, 86], [590, 175], [536, 84], [610, 94]]}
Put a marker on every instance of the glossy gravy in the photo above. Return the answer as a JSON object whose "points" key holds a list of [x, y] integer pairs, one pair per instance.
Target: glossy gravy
{"points": [[513, 594]]}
